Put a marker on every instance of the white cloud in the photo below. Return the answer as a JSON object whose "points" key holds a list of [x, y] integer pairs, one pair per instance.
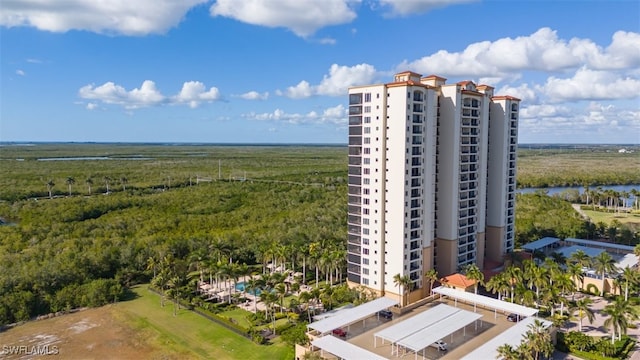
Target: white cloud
{"points": [[336, 115], [192, 93], [92, 106], [302, 17], [254, 95], [409, 7], [139, 17], [302, 90], [541, 51], [336, 83], [340, 78], [562, 124], [589, 84], [20, 72], [522, 92]]}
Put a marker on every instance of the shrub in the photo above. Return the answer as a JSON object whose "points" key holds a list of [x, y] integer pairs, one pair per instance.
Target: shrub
{"points": [[592, 289]]}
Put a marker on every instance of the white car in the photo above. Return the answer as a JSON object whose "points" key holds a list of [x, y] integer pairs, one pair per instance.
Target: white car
{"points": [[440, 345]]}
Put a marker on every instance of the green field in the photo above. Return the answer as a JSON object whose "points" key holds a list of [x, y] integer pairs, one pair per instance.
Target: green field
{"points": [[190, 334], [608, 218]]}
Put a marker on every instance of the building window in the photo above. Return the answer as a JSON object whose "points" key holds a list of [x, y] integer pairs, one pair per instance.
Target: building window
{"points": [[365, 251], [367, 130], [367, 119], [367, 109], [366, 161], [365, 281], [366, 151], [365, 271], [367, 140], [367, 97]]}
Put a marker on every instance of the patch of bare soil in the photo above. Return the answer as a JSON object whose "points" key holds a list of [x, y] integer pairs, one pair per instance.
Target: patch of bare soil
{"points": [[90, 334]]}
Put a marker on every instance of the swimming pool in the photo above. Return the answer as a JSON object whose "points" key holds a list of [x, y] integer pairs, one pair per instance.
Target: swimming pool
{"points": [[241, 287]]}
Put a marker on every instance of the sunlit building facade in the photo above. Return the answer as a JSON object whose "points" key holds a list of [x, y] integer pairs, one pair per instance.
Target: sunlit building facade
{"points": [[420, 194]]}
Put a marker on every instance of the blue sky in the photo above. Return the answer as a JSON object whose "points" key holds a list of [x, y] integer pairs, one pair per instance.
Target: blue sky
{"points": [[277, 71]]}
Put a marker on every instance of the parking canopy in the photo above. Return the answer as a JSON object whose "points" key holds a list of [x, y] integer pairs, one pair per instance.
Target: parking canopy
{"points": [[485, 301], [416, 323], [540, 244], [350, 316], [343, 349], [512, 336], [422, 330]]}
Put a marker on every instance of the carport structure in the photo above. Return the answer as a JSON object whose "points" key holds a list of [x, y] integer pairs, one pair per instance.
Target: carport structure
{"points": [[485, 301], [512, 336], [541, 244], [349, 316], [343, 349], [422, 330]]}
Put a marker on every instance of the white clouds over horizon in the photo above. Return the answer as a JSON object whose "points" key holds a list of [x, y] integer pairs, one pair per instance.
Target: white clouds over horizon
{"points": [[336, 115], [193, 93]]}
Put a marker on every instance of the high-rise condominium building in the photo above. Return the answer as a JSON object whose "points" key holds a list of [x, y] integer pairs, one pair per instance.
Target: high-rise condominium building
{"points": [[431, 180]]}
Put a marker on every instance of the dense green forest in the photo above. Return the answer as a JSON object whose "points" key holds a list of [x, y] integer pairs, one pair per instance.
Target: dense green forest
{"points": [[79, 232]]}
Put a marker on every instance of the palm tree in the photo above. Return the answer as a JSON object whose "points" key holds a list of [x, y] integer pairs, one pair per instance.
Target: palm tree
{"points": [[575, 271], [404, 283], [89, 182], [305, 298], [499, 284], [514, 276], [636, 250], [152, 263], [581, 258], [604, 264], [472, 272], [50, 185], [564, 284], [107, 180], [431, 276], [583, 308], [630, 277], [538, 340], [124, 181], [508, 352], [622, 314], [70, 181], [281, 290]]}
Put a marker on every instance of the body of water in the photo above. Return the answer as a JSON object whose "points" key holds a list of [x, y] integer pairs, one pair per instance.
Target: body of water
{"points": [[556, 190], [241, 286], [93, 158]]}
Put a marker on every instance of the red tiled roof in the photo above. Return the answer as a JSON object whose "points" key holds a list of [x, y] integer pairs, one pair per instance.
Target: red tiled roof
{"points": [[458, 280]]}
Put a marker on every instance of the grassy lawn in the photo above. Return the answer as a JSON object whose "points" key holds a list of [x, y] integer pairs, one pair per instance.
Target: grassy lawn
{"points": [[607, 218], [190, 334]]}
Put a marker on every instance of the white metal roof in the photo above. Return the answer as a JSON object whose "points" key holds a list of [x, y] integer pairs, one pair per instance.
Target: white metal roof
{"points": [[349, 316], [599, 243], [416, 323], [344, 350], [540, 243], [628, 260], [485, 301], [512, 336], [439, 329]]}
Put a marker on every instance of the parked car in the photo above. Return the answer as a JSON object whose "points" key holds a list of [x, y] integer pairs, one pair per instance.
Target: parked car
{"points": [[385, 314], [514, 317], [440, 345], [340, 333]]}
